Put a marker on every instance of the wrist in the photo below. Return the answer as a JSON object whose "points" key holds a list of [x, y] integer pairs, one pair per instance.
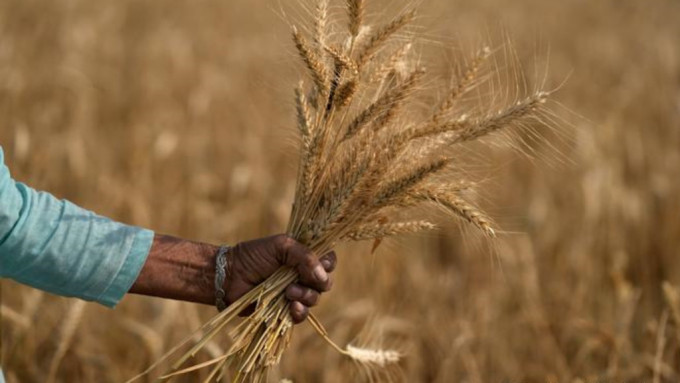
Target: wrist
{"points": [[178, 269]]}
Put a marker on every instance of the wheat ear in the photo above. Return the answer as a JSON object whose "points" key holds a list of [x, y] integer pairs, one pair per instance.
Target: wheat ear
{"points": [[377, 39], [464, 83], [304, 116], [388, 101], [355, 10], [401, 185], [313, 62], [320, 22], [523, 108], [367, 232], [451, 202]]}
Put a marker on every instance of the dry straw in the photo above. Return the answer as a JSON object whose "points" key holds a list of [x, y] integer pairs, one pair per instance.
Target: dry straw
{"points": [[362, 159]]}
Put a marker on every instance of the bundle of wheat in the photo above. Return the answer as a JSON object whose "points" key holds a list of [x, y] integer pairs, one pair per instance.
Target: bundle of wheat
{"points": [[364, 163]]}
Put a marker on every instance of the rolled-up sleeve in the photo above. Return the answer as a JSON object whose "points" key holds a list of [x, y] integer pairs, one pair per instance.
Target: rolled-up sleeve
{"points": [[58, 247]]}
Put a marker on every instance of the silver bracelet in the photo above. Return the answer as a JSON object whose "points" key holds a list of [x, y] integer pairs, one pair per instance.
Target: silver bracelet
{"points": [[220, 277]]}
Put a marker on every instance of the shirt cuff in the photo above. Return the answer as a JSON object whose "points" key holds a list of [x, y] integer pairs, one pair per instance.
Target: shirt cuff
{"points": [[130, 270]]}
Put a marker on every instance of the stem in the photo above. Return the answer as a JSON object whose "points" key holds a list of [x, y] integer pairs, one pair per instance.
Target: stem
{"points": [[324, 334]]}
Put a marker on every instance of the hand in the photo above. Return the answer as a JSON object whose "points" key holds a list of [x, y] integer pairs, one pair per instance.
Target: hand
{"points": [[250, 263], [185, 270]]}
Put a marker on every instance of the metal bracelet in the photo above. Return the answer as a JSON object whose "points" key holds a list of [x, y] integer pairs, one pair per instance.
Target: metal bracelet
{"points": [[221, 276]]}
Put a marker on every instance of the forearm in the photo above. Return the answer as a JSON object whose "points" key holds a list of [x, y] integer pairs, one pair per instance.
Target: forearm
{"points": [[178, 269]]}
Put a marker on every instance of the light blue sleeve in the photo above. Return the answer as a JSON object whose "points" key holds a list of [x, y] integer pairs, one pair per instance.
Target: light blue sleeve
{"points": [[61, 248]]}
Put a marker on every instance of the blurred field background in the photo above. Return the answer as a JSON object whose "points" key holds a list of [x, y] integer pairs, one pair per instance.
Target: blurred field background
{"points": [[177, 116]]}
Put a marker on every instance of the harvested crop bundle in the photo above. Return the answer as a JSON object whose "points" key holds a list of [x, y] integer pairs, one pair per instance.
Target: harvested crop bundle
{"points": [[367, 160]]}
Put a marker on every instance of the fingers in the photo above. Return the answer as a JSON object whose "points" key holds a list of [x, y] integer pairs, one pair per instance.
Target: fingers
{"points": [[314, 276], [304, 295], [298, 312], [312, 272], [329, 261]]}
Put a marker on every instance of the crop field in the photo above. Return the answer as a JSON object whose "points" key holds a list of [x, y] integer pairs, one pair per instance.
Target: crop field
{"points": [[180, 116]]}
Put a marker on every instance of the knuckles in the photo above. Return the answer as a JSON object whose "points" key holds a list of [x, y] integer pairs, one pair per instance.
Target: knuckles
{"points": [[309, 262], [311, 298], [283, 242]]}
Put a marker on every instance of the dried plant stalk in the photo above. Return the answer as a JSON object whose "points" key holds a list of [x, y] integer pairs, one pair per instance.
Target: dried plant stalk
{"points": [[358, 163]]}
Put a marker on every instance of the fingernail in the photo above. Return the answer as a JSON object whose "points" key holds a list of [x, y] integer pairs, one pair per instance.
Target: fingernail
{"points": [[320, 274]]}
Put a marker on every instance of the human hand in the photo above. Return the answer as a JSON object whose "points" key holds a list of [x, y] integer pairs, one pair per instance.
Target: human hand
{"points": [[250, 263]]}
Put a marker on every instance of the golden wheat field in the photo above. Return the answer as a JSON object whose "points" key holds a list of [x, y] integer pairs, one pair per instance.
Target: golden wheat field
{"points": [[179, 116]]}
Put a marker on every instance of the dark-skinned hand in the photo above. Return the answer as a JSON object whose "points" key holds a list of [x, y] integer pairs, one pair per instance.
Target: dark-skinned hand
{"points": [[250, 263]]}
